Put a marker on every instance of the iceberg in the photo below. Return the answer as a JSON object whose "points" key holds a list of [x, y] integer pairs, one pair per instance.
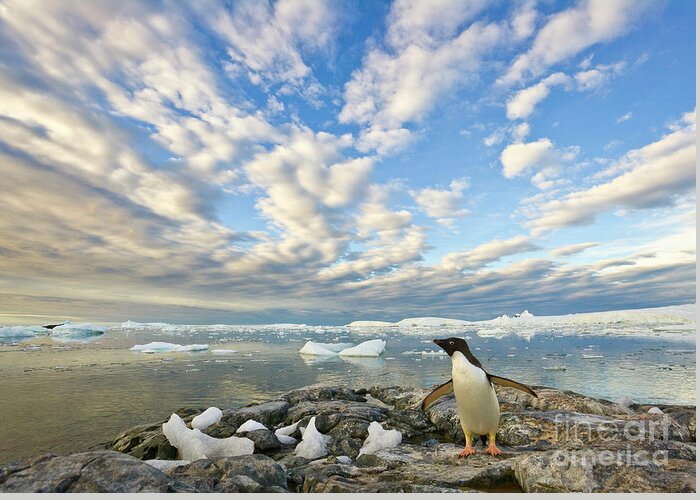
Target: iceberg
{"points": [[370, 349], [250, 425], [313, 444], [168, 347], [379, 439], [320, 349], [431, 322], [207, 418], [193, 444]]}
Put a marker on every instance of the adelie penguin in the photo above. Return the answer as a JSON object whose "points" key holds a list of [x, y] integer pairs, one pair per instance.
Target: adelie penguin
{"points": [[477, 404]]}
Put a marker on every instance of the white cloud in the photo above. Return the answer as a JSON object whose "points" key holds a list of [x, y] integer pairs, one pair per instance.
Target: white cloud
{"points": [[443, 205], [568, 32], [654, 176], [266, 40], [624, 118], [574, 249], [425, 58], [522, 104], [486, 253]]}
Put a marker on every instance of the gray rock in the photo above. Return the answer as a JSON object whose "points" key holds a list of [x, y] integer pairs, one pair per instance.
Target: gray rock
{"points": [[260, 468], [264, 439], [584, 471], [319, 392], [94, 472]]}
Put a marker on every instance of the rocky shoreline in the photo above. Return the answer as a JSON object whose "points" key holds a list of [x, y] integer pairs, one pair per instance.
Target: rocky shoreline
{"points": [[559, 442]]}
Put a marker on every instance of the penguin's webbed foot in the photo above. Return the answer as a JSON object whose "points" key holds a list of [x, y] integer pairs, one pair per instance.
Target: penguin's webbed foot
{"points": [[492, 450], [468, 450]]}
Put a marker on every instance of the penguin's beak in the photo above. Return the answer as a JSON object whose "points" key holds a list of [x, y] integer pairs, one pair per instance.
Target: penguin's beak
{"points": [[439, 342]]}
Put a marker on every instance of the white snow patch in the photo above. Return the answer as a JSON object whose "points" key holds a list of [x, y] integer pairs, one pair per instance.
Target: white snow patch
{"points": [[343, 459], [168, 347], [371, 348], [379, 439], [208, 417], [250, 425], [313, 444], [654, 410], [193, 444]]}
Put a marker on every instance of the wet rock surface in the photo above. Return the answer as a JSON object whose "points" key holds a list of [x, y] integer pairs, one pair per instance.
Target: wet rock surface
{"points": [[559, 442]]}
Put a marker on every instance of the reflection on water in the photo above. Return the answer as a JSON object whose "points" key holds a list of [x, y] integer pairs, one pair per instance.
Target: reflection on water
{"points": [[65, 397]]}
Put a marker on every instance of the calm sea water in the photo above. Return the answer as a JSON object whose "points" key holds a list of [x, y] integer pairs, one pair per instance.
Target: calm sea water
{"points": [[65, 397]]}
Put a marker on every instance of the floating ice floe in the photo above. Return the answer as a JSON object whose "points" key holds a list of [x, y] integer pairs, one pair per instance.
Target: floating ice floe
{"points": [[313, 444], [168, 347], [207, 418], [320, 349], [424, 353], [379, 439], [370, 324], [76, 331], [592, 356], [250, 425], [22, 331], [369, 349], [284, 434], [554, 368], [166, 465], [193, 444], [223, 351]]}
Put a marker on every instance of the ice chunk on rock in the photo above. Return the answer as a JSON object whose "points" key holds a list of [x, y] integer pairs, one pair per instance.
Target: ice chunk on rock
{"points": [[193, 444], [655, 411], [379, 439], [208, 417], [343, 459], [284, 434], [168, 347], [371, 348], [320, 349], [313, 443], [165, 465], [250, 425]]}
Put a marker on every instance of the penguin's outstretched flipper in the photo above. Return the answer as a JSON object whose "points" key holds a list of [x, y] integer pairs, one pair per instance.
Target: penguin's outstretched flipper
{"points": [[440, 391], [506, 382]]}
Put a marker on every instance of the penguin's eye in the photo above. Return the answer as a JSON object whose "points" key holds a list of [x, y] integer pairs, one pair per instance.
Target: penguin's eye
{"points": [[451, 342]]}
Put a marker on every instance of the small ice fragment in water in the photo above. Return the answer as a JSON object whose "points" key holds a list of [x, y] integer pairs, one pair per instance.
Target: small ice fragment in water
{"points": [[313, 443], [168, 347], [554, 368], [208, 417], [591, 356], [379, 439], [193, 444], [655, 411], [223, 351], [250, 425]]}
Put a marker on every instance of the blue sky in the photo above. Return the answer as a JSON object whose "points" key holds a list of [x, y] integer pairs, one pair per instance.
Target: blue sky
{"points": [[321, 162]]}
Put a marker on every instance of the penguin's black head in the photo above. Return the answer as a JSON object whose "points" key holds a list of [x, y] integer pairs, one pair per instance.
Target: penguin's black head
{"points": [[452, 345]]}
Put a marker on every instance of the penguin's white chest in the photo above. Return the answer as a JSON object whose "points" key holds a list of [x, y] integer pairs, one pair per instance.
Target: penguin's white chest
{"points": [[477, 405]]}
